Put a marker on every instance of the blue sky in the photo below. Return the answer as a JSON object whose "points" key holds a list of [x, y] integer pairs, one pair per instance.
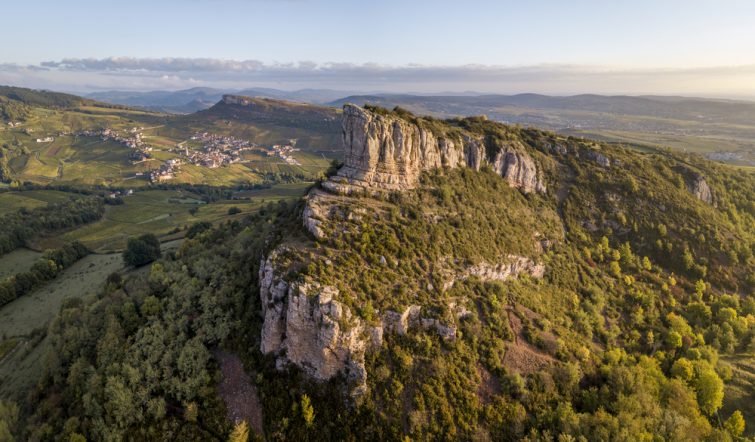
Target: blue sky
{"points": [[618, 37]]}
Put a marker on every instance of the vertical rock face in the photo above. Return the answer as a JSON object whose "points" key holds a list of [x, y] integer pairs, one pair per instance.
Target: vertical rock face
{"points": [[387, 152], [697, 185], [519, 170], [305, 326]]}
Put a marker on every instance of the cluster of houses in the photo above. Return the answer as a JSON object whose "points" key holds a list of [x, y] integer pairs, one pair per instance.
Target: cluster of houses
{"points": [[221, 150], [166, 171], [120, 193], [217, 150], [140, 151], [285, 152]]}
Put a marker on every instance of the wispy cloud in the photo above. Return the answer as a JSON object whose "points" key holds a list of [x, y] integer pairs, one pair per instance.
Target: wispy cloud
{"points": [[174, 73]]}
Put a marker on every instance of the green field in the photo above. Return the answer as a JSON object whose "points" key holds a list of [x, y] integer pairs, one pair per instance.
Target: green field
{"points": [[165, 213], [12, 201], [162, 212]]}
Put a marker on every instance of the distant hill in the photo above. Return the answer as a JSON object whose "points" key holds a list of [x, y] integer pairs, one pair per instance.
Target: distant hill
{"points": [[33, 97], [664, 107], [16, 103], [200, 98], [267, 121], [185, 101]]}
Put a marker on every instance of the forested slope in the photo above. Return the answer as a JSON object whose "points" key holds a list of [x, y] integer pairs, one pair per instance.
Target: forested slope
{"points": [[593, 303]]}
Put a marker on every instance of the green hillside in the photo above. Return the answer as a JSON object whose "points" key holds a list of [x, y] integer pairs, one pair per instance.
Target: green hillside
{"points": [[642, 326], [316, 128], [51, 138]]}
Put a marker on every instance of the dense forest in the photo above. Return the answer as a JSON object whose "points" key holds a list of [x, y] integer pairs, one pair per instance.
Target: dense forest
{"points": [[647, 290]]}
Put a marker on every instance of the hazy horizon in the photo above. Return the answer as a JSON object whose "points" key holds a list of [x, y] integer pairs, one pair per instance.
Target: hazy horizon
{"points": [[688, 48]]}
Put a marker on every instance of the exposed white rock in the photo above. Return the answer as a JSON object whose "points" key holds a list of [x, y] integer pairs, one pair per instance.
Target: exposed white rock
{"points": [[389, 153], [699, 188], [519, 170], [305, 326], [515, 266], [599, 158], [312, 216]]}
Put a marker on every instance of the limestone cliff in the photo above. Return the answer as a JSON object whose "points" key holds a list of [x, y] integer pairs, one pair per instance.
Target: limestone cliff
{"points": [[305, 323], [305, 326], [389, 152], [697, 185]]}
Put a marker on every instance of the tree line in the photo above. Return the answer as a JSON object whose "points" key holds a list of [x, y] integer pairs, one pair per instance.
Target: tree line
{"points": [[26, 224], [44, 269]]}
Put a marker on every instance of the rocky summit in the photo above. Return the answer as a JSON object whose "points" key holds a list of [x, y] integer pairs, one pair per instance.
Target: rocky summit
{"points": [[388, 152]]}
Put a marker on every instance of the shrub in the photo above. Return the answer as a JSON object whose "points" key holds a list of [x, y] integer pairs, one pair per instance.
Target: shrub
{"points": [[142, 250]]}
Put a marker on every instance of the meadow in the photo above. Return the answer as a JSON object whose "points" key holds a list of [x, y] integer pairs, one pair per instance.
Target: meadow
{"points": [[12, 201]]}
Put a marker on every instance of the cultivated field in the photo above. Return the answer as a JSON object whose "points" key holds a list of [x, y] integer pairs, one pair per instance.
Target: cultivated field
{"points": [[12, 201]]}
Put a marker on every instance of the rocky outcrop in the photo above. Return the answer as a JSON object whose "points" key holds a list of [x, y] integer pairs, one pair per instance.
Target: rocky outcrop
{"points": [[515, 266], [697, 185], [599, 158], [313, 215], [519, 171], [387, 152], [304, 325], [401, 322]]}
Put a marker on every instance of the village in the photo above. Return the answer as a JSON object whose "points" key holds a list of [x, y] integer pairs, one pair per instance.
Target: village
{"points": [[208, 150], [221, 150]]}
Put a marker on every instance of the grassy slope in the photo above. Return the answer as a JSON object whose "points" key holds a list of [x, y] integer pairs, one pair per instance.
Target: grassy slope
{"points": [[17, 261], [20, 319]]}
